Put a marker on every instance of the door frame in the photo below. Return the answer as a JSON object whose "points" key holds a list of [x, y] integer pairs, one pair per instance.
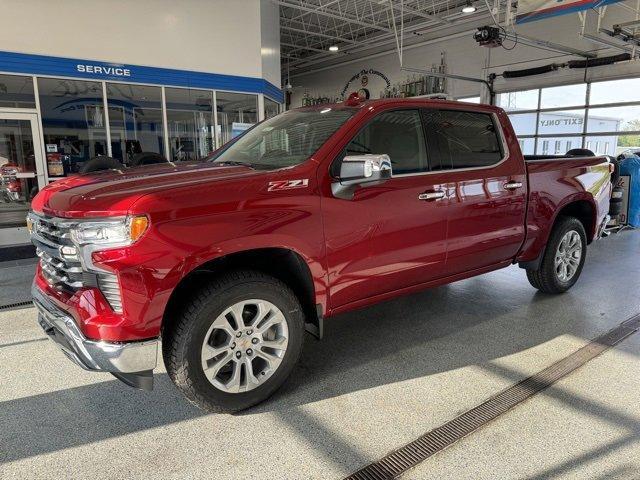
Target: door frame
{"points": [[19, 235], [38, 147]]}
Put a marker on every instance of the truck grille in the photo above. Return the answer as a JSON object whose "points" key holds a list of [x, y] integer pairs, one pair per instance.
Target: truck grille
{"points": [[60, 260], [60, 272]]}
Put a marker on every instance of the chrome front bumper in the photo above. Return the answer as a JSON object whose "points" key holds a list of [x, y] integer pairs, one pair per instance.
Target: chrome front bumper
{"points": [[131, 362]]}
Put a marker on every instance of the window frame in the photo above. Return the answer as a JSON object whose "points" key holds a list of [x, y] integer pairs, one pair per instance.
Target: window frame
{"points": [[586, 105], [334, 168], [504, 148]]}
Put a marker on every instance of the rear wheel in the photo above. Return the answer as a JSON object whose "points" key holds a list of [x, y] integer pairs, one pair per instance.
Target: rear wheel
{"points": [[236, 341], [563, 258]]}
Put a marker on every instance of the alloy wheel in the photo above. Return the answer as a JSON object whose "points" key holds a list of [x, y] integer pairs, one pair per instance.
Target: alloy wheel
{"points": [[244, 346], [568, 256]]}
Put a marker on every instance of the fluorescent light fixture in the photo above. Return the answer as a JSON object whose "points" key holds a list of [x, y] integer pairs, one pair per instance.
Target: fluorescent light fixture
{"points": [[333, 48], [468, 8]]}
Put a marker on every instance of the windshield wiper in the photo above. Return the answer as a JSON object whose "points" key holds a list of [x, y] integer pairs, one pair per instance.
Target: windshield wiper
{"points": [[234, 163]]}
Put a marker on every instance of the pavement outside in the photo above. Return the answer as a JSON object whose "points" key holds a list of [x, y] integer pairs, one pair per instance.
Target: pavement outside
{"points": [[381, 377]]}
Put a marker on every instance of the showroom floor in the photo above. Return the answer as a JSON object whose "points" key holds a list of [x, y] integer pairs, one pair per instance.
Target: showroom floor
{"points": [[382, 377]]}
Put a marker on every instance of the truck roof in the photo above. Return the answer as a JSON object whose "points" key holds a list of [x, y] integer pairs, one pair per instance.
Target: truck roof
{"points": [[349, 103]]}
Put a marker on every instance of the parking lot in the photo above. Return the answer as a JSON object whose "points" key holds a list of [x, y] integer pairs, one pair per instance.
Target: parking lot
{"points": [[382, 377]]}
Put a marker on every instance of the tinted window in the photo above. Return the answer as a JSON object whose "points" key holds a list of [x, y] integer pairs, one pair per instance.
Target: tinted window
{"points": [[399, 134], [464, 139]]}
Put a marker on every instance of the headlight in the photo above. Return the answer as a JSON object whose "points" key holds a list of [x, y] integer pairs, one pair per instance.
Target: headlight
{"points": [[118, 232]]}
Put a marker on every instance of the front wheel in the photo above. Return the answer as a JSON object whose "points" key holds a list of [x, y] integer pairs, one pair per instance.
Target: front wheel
{"points": [[235, 342], [563, 258]]}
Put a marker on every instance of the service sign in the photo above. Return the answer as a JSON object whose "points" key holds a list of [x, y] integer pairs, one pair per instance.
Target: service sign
{"points": [[531, 10], [108, 70]]}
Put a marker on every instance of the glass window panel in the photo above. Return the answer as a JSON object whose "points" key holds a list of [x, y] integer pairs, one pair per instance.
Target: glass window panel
{"points": [[564, 96], [612, 144], [398, 134], [271, 108], [613, 119], [557, 145], [615, 91], [18, 181], [190, 123], [464, 139], [285, 140], [135, 120], [527, 145], [523, 100], [16, 92], [73, 123], [236, 113], [524, 123], [567, 121]]}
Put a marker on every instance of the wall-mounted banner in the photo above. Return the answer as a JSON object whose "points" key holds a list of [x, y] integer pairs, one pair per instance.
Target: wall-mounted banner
{"points": [[531, 10]]}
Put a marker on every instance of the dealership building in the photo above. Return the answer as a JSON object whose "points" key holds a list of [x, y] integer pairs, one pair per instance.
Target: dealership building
{"points": [[64, 101]]}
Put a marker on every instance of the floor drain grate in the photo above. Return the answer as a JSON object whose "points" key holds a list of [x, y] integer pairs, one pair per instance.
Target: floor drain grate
{"points": [[25, 303], [401, 460]]}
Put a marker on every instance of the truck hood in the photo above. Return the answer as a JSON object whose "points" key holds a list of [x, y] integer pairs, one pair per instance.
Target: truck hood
{"points": [[112, 193]]}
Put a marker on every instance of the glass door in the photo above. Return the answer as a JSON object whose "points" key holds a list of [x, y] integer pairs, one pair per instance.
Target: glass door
{"points": [[21, 173]]}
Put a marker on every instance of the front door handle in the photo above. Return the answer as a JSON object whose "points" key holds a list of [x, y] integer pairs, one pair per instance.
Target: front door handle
{"points": [[512, 185], [431, 196]]}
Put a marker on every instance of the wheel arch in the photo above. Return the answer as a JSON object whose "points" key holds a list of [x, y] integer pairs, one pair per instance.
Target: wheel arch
{"points": [[283, 263], [583, 208]]}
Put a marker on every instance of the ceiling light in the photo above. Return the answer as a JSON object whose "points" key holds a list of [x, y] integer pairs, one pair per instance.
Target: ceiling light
{"points": [[468, 8], [333, 48]]}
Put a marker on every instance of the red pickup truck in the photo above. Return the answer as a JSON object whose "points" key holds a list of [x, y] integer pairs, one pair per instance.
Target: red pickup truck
{"points": [[314, 212]]}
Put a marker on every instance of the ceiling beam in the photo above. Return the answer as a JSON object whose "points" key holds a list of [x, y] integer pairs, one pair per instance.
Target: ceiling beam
{"points": [[304, 47], [332, 2], [332, 14], [322, 35], [381, 40], [417, 13]]}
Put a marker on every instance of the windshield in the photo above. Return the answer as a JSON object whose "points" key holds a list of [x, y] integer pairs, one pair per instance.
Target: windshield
{"points": [[285, 140]]}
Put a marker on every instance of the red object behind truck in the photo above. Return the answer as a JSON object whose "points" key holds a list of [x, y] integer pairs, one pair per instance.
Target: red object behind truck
{"points": [[314, 212]]}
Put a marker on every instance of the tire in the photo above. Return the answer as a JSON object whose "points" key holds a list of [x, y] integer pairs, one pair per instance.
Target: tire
{"points": [[183, 344], [547, 278], [615, 202], [100, 163]]}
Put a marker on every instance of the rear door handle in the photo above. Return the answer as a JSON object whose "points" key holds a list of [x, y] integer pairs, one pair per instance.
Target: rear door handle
{"points": [[431, 196], [512, 185]]}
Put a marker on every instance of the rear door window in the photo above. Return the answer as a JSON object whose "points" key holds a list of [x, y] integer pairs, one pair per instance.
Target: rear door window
{"points": [[463, 139]]}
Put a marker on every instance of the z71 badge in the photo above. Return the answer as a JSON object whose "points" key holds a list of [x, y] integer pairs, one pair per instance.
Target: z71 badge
{"points": [[288, 184]]}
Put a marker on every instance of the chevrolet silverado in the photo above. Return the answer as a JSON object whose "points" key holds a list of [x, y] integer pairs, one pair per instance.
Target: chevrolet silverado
{"points": [[224, 264]]}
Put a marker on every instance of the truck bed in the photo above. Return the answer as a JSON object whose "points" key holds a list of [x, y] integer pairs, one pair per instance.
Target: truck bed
{"points": [[555, 181]]}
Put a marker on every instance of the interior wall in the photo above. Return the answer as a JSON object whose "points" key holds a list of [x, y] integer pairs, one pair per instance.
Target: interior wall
{"points": [[463, 56], [222, 36]]}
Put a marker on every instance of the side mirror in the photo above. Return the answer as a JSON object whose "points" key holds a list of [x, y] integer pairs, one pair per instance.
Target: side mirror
{"points": [[361, 170]]}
